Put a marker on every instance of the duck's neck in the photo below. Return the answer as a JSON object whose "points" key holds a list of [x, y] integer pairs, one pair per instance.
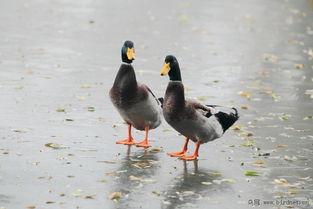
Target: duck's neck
{"points": [[175, 95], [174, 73], [126, 78]]}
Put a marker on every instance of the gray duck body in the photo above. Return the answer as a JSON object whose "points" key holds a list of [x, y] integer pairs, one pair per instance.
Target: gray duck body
{"points": [[135, 102], [194, 120]]}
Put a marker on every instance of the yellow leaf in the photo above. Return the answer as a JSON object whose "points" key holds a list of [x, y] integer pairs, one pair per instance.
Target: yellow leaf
{"points": [[281, 145], [245, 94], [115, 196]]}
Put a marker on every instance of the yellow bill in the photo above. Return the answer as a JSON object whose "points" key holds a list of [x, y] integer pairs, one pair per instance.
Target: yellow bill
{"points": [[130, 53], [166, 68]]}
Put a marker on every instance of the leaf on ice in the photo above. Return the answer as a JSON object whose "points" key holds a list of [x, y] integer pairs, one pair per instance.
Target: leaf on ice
{"points": [[78, 193], [237, 127], [259, 163], [206, 182], [281, 145], [299, 66], [293, 192], [290, 158], [214, 173], [245, 94], [115, 196], [252, 173], [60, 109], [248, 143], [155, 150], [284, 117], [308, 117], [85, 86], [55, 145]]}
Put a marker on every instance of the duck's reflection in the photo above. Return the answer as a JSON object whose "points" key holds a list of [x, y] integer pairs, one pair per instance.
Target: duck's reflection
{"points": [[136, 171], [189, 187]]}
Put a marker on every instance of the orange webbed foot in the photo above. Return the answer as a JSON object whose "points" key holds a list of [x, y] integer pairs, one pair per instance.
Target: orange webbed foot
{"points": [[176, 154], [190, 157], [128, 141], [144, 143]]}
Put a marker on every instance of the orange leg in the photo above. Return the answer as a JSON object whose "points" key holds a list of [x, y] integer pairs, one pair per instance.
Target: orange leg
{"points": [[194, 156], [182, 152], [144, 143], [129, 140]]}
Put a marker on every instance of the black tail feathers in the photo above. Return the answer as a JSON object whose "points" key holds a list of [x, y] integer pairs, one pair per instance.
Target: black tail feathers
{"points": [[227, 119]]}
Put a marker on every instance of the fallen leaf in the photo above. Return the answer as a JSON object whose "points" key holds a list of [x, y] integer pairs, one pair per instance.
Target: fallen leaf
{"points": [[265, 73], [248, 143], [281, 145], [290, 158], [214, 173], [60, 110], [284, 182], [85, 86], [206, 182], [50, 202], [259, 163], [244, 107], [299, 66], [134, 178], [18, 87], [293, 192], [91, 109], [55, 145], [78, 193], [245, 94], [90, 196], [31, 207], [155, 150], [106, 161], [102, 180], [270, 57], [115, 196], [69, 119], [251, 173], [308, 117], [236, 127], [166, 129], [284, 117]]}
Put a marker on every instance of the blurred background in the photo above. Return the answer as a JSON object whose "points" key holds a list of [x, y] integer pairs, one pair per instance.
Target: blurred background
{"points": [[58, 60]]}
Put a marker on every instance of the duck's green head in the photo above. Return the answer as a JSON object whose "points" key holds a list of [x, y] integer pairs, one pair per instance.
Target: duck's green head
{"points": [[128, 52], [171, 67]]}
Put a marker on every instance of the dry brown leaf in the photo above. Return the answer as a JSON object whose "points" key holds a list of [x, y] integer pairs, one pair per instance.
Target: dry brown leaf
{"points": [[236, 127], [244, 107], [115, 196], [265, 73], [245, 94], [299, 66]]}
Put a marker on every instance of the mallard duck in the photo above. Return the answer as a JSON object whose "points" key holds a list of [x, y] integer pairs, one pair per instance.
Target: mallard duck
{"points": [[134, 101], [198, 122]]}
